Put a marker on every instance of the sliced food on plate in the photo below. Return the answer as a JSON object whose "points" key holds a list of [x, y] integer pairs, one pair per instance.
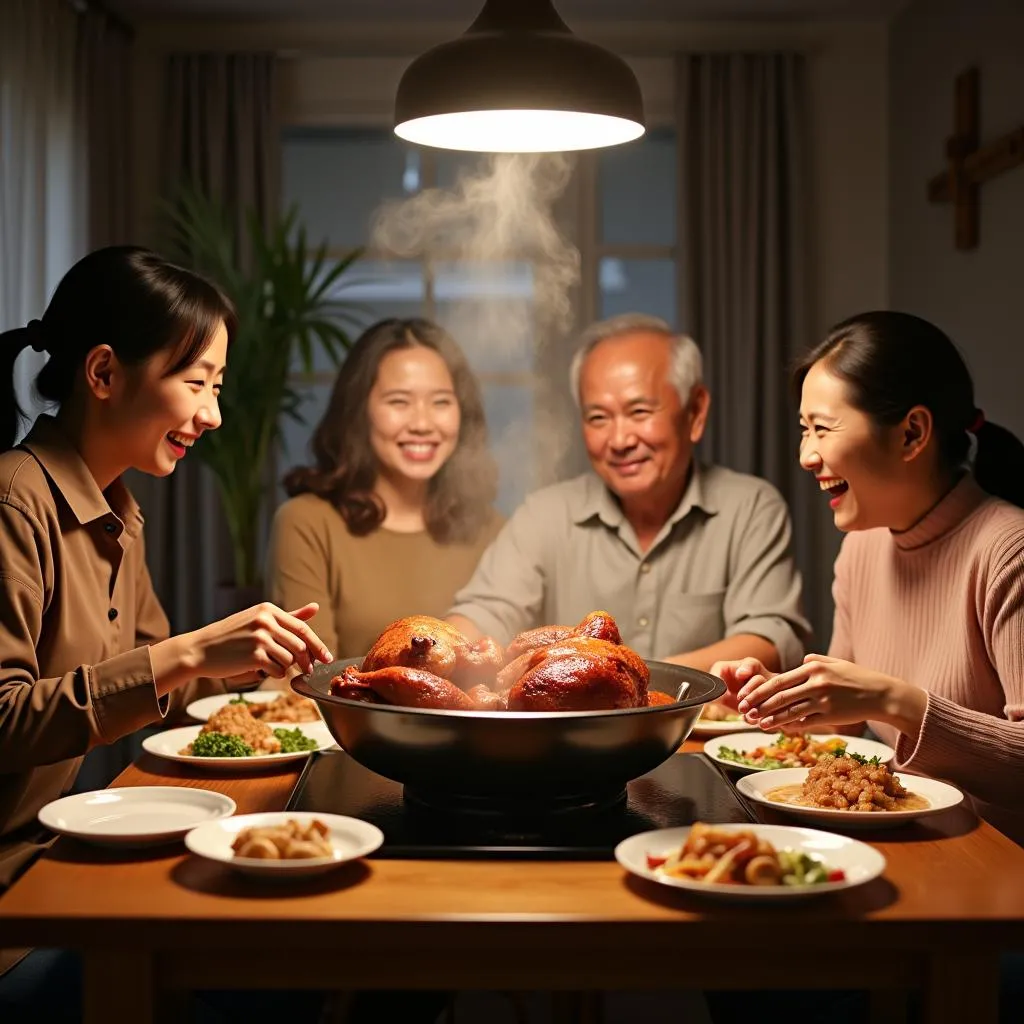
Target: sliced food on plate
{"points": [[755, 752], [750, 861]]}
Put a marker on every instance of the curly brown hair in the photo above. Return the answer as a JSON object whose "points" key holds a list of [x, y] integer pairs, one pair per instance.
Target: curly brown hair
{"points": [[460, 496]]}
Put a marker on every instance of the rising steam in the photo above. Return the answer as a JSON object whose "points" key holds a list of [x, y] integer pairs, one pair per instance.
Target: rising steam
{"points": [[504, 278]]}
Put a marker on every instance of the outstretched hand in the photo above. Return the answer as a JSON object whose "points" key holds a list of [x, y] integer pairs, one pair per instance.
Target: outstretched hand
{"points": [[258, 642], [736, 675], [823, 691]]}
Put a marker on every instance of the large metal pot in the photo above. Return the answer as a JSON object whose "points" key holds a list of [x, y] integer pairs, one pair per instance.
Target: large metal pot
{"points": [[509, 755]]}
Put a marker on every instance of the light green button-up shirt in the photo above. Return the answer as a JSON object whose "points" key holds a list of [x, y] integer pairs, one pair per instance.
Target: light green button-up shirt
{"points": [[720, 566]]}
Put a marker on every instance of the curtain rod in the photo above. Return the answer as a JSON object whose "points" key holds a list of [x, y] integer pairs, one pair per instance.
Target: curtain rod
{"points": [[83, 6]]}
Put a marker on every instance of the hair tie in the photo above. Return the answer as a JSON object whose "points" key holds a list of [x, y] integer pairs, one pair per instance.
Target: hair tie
{"points": [[36, 337], [977, 423]]}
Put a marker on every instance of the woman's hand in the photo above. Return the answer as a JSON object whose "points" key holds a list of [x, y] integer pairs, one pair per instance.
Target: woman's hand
{"points": [[735, 675], [825, 691], [249, 645]]}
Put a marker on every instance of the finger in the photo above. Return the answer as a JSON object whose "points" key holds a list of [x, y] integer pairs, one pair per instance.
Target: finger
{"points": [[274, 659], [807, 714], [295, 622], [806, 691], [294, 644], [255, 676], [760, 688], [821, 659]]}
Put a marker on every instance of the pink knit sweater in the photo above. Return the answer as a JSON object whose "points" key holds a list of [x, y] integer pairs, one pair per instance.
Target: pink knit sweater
{"points": [[942, 606]]}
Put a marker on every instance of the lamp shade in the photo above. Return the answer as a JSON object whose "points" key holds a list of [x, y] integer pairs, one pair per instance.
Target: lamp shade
{"points": [[518, 81]]}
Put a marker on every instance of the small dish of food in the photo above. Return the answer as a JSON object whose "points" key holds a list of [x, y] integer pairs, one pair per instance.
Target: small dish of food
{"points": [[716, 719], [849, 794], [757, 752], [232, 740], [284, 844], [267, 705], [750, 862]]}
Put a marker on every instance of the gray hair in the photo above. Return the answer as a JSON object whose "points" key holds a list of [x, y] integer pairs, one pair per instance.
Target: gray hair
{"points": [[686, 367]]}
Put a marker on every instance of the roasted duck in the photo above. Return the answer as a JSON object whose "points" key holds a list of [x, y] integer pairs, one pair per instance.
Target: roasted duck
{"points": [[580, 674], [423, 642], [423, 662]]}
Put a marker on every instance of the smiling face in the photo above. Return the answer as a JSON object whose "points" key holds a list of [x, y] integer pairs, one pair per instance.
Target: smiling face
{"points": [[861, 467], [413, 414], [156, 417], [638, 434]]}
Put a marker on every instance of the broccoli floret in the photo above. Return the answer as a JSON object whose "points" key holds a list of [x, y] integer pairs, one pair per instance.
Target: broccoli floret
{"points": [[294, 740], [220, 744]]}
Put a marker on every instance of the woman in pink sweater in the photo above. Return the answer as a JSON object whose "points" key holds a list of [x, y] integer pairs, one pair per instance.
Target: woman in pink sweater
{"points": [[928, 637]]}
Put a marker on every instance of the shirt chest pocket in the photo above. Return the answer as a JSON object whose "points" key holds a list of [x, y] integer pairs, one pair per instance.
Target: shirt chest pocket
{"points": [[691, 620]]}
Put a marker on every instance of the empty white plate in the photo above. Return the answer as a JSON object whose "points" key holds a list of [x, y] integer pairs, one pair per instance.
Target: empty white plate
{"points": [[745, 742], [135, 815], [350, 838], [940, 796], [170, 743], [859, 862]]}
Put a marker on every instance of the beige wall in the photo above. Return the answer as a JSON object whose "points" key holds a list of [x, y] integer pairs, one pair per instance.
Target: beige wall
{"points": [[972, 295]]}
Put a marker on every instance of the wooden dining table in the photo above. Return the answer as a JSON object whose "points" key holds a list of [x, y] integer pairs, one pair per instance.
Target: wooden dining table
{"points": [[158, 922]]}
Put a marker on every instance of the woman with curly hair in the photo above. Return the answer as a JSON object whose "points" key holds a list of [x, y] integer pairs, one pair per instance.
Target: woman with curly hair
{"points": [[394, 514]]}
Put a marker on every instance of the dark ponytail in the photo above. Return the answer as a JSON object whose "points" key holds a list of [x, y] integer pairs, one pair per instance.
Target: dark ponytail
{"points": [[893, 361], [123, 296]]}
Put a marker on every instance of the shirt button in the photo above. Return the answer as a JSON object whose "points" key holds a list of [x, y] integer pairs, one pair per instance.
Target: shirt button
{"points": [[645, 567], [111, 614], [643, 621], [110, 527]]}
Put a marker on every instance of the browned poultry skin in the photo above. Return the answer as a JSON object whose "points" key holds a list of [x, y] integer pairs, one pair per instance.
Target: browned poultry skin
{"points": [[581, 674], [421, 641], [655, 697], [407, 687], [599, 625], [485, 699]]}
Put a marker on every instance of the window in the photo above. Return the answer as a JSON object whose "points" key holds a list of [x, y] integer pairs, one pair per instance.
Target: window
{"points": [[339, 177], [636, 199]]}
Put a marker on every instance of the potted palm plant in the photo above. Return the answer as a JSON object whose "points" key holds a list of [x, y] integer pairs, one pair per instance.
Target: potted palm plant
{"points": [[285, 292]]}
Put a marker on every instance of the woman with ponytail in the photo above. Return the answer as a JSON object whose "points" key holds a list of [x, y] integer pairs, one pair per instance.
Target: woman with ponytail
{"points": [[137, 349], [928, 638]]}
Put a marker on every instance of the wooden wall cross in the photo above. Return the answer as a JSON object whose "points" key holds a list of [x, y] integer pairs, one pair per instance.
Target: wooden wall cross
{"points": [[970, 164]]}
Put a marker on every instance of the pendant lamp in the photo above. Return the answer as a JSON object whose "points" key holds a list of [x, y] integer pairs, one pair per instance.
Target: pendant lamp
{"points": [[518, 81]]}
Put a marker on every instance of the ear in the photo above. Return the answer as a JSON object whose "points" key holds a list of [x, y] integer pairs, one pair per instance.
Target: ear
{"points": [[916, 431], [700, 403], [102, 371]]}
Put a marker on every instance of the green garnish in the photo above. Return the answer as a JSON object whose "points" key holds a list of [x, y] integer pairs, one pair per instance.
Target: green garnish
{"points": [[240, 699], [861, 759], [294, 740], [220, 744], [800, 868], [740, 757]]}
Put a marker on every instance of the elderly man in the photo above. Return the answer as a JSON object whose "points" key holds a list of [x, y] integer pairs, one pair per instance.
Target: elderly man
{"points": [[692, 560]]}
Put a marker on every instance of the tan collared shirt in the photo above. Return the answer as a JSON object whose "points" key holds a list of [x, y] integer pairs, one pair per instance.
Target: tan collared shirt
{"points": [[720, 566], [77, 613]]}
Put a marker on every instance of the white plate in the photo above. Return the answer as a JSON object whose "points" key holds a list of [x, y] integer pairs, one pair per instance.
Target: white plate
{"points": [[705, 727], [134, 815], [940, 796], [204, 707], [168, 744], [861, 862], [350, 837], [745, 742]]}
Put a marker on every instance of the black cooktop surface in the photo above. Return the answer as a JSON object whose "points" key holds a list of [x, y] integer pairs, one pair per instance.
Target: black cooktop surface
{"points": [[684, 789]]}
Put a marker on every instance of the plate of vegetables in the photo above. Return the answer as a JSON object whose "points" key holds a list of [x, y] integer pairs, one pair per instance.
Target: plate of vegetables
{"points": [[246, 751], [750, 862], [757, 752]]}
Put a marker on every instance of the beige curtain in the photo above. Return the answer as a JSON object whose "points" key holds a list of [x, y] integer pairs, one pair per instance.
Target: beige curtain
{"points": [[42, 159], [222, 132], [742, 129]]}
